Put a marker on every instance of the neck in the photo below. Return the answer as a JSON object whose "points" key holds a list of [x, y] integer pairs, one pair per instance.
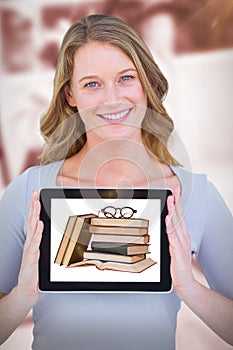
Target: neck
{"points": [[115, 162]]}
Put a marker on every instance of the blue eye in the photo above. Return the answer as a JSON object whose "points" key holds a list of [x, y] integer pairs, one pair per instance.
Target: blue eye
{"points": [[127, 77], [91, 84]]}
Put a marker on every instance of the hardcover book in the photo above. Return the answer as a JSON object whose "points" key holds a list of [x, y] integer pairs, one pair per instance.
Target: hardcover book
{"points": [[136, 231], [112, 257], [131, 222], [109, 265], [65, 239], [96, 237], [77, 241], [119, 248]]}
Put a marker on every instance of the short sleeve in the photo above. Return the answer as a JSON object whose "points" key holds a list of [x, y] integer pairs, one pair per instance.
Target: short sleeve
{"points": [[14, 207], [215, 253], [12, 231]]}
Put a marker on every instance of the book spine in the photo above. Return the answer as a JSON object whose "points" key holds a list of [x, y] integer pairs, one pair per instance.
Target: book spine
{"points": [[118, 222], [119, 230], [118, 249], [120, 239], [65, 239], [113, 257]]}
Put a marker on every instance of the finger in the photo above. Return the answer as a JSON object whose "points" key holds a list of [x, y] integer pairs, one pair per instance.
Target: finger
{"points": [[33, 216], [32, 249], [179, 242], [182, 239], [171, 208], [178, 215], [170, 204], [178, 218], [38, 233], [173, 236], [168, 224], [176, 194], [35, 243], [175, 219], [33, 199], [30, 215]]}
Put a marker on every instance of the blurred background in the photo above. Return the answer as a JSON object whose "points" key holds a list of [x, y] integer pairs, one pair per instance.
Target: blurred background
{"points": [[191, 40]]}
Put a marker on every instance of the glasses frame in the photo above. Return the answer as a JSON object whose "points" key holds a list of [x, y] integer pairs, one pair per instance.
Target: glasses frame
{"points": [[122, 216]]}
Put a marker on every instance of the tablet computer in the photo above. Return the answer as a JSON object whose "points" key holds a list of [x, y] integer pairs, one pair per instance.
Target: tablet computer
{"points": [[104, 240]]}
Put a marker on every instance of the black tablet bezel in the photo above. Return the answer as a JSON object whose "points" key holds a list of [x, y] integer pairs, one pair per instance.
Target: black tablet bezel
{"points": [[45, 285]]}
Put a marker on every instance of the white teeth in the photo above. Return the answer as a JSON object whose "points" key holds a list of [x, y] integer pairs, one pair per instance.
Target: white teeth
{"points": [[115, 116]]}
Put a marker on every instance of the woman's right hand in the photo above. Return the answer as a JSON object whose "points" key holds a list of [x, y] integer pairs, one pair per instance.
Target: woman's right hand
{"points": [[28, 274], [15, 305]]}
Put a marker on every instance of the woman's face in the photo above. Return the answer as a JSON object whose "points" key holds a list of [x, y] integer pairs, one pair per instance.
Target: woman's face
{"points": [[107, 92]]}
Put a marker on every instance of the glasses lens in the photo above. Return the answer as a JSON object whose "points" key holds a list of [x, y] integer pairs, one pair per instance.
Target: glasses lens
{"points": [[109, 212], [127, 212]]}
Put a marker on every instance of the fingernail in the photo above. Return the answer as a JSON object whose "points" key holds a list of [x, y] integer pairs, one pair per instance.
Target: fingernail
{"points": [[176, 193], [34, 194]]}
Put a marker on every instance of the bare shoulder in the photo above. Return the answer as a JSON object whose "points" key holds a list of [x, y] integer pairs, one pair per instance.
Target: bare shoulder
{"points": [[164, 178], [68, 173]]}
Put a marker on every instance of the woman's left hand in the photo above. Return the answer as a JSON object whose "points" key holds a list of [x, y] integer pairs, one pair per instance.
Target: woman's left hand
{"points": [[180, 247], [213, 308]]}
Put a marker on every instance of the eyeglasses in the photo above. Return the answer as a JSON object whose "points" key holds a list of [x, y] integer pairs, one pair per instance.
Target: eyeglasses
{"points": [[112, 212]]}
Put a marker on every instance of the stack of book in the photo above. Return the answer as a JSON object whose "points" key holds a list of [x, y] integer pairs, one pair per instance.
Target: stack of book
{"points": [[108, 243], [118, 244]]}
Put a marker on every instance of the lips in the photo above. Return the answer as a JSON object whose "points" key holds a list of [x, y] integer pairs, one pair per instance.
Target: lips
{"points": [[116, 117]]}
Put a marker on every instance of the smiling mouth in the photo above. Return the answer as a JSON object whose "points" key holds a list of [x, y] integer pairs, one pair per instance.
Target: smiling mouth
{"points": [[117, 117]]}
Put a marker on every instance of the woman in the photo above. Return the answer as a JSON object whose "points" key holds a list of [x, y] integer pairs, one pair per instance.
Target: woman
{"points": [[106, 126]]}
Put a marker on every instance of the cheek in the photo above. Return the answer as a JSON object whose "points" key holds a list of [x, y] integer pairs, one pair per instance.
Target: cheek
{"points": [[88, 116], [139, 95], [87, 102], [81, 102]]}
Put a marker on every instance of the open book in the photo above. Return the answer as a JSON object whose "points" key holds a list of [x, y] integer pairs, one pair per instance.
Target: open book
{"points": [[117, 266]]}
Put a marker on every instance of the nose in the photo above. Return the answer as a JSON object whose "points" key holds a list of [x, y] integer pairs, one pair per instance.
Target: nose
{"points": [[112, 94]]}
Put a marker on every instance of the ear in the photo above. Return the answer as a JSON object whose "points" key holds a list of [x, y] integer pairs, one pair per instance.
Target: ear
{"points": [[69, 96]]}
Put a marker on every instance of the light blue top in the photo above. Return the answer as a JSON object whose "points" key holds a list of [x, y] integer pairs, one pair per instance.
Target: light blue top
{"points": [[116, 321]]}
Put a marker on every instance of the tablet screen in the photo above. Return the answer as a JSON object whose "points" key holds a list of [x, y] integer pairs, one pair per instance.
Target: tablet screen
{"points": [[104, 240]]}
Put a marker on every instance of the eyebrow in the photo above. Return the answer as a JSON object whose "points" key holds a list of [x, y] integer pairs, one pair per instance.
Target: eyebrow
{"points": [[96, 76]]}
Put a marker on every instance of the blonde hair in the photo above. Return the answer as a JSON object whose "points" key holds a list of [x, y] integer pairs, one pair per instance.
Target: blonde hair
{"points": [[62, 127]]}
